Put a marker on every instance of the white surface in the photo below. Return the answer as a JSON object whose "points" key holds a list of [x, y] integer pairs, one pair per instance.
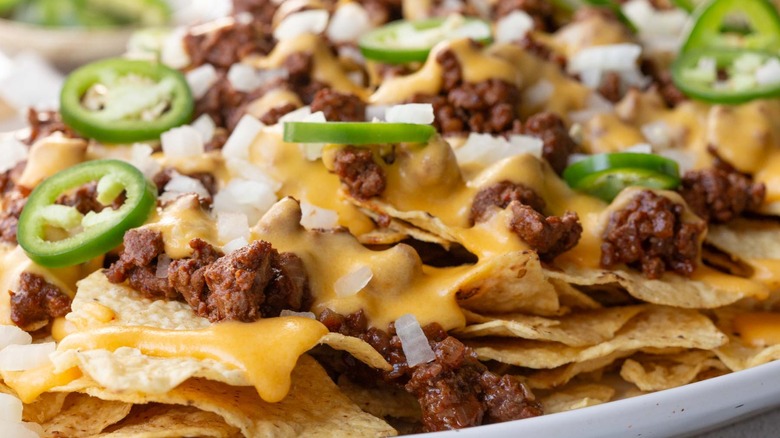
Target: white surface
{"points": [[678, 412]]}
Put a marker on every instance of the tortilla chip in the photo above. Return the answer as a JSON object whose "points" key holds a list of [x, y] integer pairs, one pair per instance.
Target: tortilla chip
{"points": [[656, 373], [576, 397], [41, 410], [548, 379], [382, 401], [572, 298], [577, 330], [754, 242], [738, 355], [170, 421], [85, 416], [659, 327], [314, 406]]}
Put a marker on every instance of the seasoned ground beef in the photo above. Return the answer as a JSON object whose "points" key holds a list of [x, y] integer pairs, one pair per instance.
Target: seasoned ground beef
{"points": [[488, 106], [299, 67], [455, 390], [357, 169], [37, 301], [13, 203], [500, 195], [339, 107], [649, 234], [138, 265], [9, 177], [45, 123], [186, 275], [548, 235], [383, 11], [227, 45], [207, 179], [84, 199], [540, 10], [719, 195], [611, 87], [541, 50], [274, 114], [558, 144], [222, 103], [262, 10], [661, 80]]}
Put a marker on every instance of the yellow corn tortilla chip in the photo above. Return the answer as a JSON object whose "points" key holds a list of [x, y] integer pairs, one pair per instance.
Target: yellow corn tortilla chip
{"points": [[557, 377], [576, 397], [738, 355], [570, 297], [314, 406], [576, 330], [656, 327], [170, 421], [754, 242], [656, 373], [382, 401], [85, 416], [41, 410]]}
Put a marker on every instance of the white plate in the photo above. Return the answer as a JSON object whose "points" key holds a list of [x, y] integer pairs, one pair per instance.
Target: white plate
{"points": [[689, 409]]}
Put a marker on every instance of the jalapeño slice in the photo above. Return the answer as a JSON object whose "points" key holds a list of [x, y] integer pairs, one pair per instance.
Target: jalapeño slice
{"points": [[125, 101], [409, 41], [605, 175], [93, 234], [356, 133], [760, 16]]}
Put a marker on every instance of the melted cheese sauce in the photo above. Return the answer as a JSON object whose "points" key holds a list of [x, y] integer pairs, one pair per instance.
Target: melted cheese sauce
{"points": [[758, 329]]}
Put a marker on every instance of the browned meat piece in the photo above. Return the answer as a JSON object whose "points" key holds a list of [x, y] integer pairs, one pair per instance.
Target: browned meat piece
{"points": [[455, 390], [649, 234], [37, 301], [289, 287], [222, 103], [356, 168], [339, 107], [539, 49], [9, 177], [383, 11], [274, 114], [500, 195], [138, 264], [488, 106], [718, 195], [262, 10], [610, 87], [209, 181], [186, 276], [84, 199], [662, 82], [218, 140], [45, 123], [227, 45], [13, 203], [299, 78], [237, 283], [558, 145], [540, 10], [549, 236]]}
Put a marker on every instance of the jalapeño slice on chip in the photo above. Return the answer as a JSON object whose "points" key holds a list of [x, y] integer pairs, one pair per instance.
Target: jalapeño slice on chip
{"points": [[125, 101], [356, 133], [82, 238], [605, 175], [409, 41], [710, 20]]}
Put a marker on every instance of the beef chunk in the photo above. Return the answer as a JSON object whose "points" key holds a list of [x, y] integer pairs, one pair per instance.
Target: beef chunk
{"points": [[383, 11], [45, 123], [339, 107], [299, 67], [549, 236], [262, 10], [186, 276], [356, 168], [138, 264], [455, 390], [227, 45], [222, 103], [37, 301], [649, 234], [289, 287], [663, 83], [274, 114], [84, 199], [558, 145], [541, 50], [719, 195], [501, 195], [13, 203], [610, 87], [540, 10]]}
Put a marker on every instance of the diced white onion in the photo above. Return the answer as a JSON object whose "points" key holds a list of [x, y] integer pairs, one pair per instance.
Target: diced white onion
{"points": [[349, 22], [201, 79], [231, 226], [234, 245], [182, 142], [10, 408], [25, 357], [13, 335], [298, 115], [659, 30], [685, 160], [417, 113], [539, 93], [316, 218], [352, 283], [657, 133], [413, 341], [251, 198], [163, 263], [181, 184], [244, 78], [485, 149], [312, 21], [639, 148], [769, 73], [247, 170], [376, 112], [237, 145], [287, 312], [612, 57], [141, 158], [595, 105], [17, 429], [205, 126], [174, 54], [513, 27], [14, 152]]}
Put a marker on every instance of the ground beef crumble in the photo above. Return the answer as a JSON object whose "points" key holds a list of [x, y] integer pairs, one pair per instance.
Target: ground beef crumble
{"points": [[228, 44], [558, 144], [339, 107], [45, 123], [252, 282], [13, 203], [37, 301], [541, 11], [649, 234], [719, 195], [357, 169], [455, 390]]}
